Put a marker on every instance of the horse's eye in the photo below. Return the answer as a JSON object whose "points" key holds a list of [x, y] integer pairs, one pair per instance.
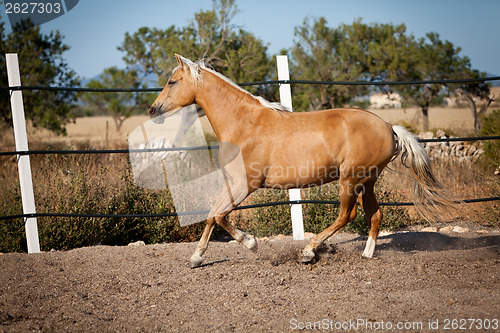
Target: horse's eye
{"points": [[171, 82]]}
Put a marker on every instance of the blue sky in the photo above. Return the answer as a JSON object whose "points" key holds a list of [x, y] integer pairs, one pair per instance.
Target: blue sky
{"points": [[94, 28]]}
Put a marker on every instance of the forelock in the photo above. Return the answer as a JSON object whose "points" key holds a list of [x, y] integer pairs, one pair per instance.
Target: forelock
{"points": [[194, 68]]}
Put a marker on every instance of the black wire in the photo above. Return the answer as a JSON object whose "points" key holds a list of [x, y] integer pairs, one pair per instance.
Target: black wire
{"points": [[81, 89], [105, 151], [268, 204], [149, 150], [473, 138], [371, 83], [348, 83]]}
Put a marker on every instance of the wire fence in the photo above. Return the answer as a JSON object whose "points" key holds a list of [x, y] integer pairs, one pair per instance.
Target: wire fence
{"points": [[277, 203], [211, 147], [268, 204], [269, 82]]}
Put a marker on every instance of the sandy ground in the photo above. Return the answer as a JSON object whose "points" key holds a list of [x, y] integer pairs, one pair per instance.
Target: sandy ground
{"points": [[418, 281]]}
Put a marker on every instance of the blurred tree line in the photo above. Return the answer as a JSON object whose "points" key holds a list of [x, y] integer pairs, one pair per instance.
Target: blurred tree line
{"points": [[41, 63], [378, 53], [356, 52]]}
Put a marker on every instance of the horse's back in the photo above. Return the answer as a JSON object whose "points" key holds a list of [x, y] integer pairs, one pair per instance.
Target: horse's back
{"points": [[344, 125], [369, 137], [353, 135], [306, 145]]}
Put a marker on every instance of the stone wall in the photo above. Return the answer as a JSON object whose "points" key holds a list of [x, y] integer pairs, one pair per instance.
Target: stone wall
{"points": [[461, 150]]}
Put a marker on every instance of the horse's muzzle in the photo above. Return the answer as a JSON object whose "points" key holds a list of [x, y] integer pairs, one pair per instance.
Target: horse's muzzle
{"points": [[152, 111], [156, 116]]}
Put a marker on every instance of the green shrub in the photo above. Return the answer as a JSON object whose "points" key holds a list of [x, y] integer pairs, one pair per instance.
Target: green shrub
{"points": [[265, 221], [88, 184], [491, 127], [272, 220], [12, 235]]}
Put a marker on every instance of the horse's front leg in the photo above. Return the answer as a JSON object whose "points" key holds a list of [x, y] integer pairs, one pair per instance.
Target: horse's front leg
{"points": [[225, 203], [196, 258], [244, 238]]}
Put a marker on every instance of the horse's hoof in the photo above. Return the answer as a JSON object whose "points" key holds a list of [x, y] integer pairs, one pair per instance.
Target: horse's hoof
{"points": [[249, 242], [307, 256], [195, 261], [369, 249]]}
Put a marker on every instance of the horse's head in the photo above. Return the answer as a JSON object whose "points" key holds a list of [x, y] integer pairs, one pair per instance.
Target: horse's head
{"points": [[179, 90]]}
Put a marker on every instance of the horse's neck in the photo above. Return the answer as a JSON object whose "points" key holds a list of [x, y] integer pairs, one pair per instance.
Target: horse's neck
{"points": [[227, 108]]}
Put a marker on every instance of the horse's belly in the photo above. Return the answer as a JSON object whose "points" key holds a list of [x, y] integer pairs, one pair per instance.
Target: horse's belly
{"points": [[300, 175]]}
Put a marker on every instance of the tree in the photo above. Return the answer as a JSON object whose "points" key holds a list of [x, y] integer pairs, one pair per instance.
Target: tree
{"points": [[431, 59], [210, 36], [41, 63], [119, 105], [357, 52], [316, 57], [149, 50], [372, 52], [472, 91]]}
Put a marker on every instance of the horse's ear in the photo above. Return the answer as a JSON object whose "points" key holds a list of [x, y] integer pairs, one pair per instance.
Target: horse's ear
{"points": [[179, 60]]}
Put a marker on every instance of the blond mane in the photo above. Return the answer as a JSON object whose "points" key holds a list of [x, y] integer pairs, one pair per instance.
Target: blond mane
{"points": [[195, 70]]}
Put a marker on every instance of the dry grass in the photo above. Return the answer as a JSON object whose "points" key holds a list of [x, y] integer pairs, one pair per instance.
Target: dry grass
{"points": [[456, 120], [464, 180]]}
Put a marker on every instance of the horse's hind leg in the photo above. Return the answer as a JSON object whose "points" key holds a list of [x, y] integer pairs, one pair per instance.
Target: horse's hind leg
{"points": [[373, 215], [348, 198]]}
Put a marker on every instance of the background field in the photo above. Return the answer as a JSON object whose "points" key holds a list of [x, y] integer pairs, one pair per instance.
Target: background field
{"points": [[92, 130]]}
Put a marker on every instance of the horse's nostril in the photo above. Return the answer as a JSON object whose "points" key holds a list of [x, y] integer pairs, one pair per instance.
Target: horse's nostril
{"points": [[151, 111]]}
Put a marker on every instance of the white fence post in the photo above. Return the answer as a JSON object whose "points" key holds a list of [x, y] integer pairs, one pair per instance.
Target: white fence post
{"points": [[286, 100], [23, 161]]}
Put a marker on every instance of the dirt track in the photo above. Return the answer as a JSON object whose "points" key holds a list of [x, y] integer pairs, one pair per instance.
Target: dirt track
{"points": [[416, 277]]}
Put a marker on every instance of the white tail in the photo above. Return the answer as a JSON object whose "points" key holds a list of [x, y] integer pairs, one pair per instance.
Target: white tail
{"points": [[431, 200]]}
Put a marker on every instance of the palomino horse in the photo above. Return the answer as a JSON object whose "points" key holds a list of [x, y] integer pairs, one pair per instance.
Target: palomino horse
{"points": [[282, 149]]}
